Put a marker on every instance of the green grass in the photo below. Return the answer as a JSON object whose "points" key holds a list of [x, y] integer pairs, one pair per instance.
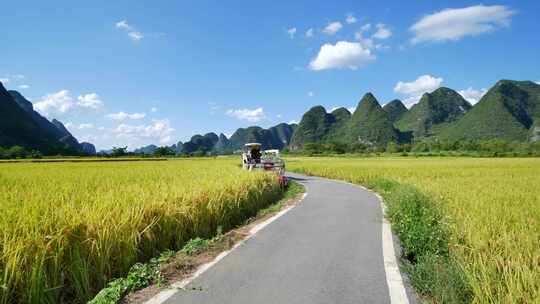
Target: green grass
{"points": [[293, 190], [140, 275], [424, 234]]}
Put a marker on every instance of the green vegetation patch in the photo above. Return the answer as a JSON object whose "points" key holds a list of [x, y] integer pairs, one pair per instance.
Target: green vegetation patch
{"points": [[423, 233], [140, 275]]}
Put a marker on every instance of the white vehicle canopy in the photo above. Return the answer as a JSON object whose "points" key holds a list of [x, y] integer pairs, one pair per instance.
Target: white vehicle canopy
{"points": [[252, 153], [268, 160], [254, 158]]}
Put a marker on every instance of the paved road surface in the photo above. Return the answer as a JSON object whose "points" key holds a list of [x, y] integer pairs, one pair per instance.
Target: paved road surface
{"points": [[327, 249]]}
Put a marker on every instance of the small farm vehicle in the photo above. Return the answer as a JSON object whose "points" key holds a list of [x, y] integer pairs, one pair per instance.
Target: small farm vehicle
{"points": [[254, 158]]}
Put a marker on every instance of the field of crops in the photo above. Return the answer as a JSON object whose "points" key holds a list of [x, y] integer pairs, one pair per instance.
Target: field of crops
{"points": [[492, 207], [67, 228]]}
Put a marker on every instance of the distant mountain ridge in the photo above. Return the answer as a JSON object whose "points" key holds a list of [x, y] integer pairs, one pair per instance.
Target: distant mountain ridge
{"points": [[510, 111], [368, 124], [434, 111], [276, 137], [21, 125]]}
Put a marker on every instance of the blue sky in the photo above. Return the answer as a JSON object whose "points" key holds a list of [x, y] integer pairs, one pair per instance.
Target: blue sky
{"points": [[140, 72]]}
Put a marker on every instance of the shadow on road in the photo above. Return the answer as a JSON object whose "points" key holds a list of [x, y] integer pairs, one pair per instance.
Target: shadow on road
{"points": [[297, 179]]}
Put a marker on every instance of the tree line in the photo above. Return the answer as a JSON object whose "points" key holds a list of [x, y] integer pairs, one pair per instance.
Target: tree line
{"points": [[486, 148], [20, 152], [164, 151]]}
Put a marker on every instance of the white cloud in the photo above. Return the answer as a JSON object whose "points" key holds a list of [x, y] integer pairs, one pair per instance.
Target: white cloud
{"points": [[332, 28], [61, 102], [350, 19], [68, 125], [472, 95], [343, 54], [55, 103], [291, 32], [101, 128], [366, 43], [411, 100], [366, 27], [159, 130], [135, 36], [279, 116], [383, 32], [24, 86], [311, 94], [293, 122], [359, 35], [153, 109], [132, 32], [123, 116], [135, 116], [123, 25], [369, 43], [454, 24], [90, 100], [415, 89], [89, 138], [422, 84], [86, 126], [254, 115], [309, 33], [10, 77]]}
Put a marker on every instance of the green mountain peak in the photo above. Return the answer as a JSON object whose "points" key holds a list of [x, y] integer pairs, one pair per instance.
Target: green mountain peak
{"points": [[510, 110], [367, 101], [314, 127], [434, 112], [341, 112], [370, 124], [395, 109]]}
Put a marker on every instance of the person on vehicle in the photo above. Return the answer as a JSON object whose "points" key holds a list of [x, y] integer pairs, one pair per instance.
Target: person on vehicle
{"points": [[256, 154]]}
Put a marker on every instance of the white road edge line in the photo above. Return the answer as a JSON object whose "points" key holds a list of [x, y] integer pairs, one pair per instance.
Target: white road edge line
{"points": [[166, 294], [396, 289], [394, 280]]}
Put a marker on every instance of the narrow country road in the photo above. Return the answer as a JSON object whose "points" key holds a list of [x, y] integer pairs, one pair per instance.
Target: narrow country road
{"points": [[327, 249]]}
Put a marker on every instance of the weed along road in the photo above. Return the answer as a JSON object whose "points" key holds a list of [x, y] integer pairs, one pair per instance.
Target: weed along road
{"points": [[329, 248]]}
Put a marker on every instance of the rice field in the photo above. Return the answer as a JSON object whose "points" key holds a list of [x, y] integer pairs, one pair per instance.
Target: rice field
{"points": [[68, 228], [492, 207]]}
